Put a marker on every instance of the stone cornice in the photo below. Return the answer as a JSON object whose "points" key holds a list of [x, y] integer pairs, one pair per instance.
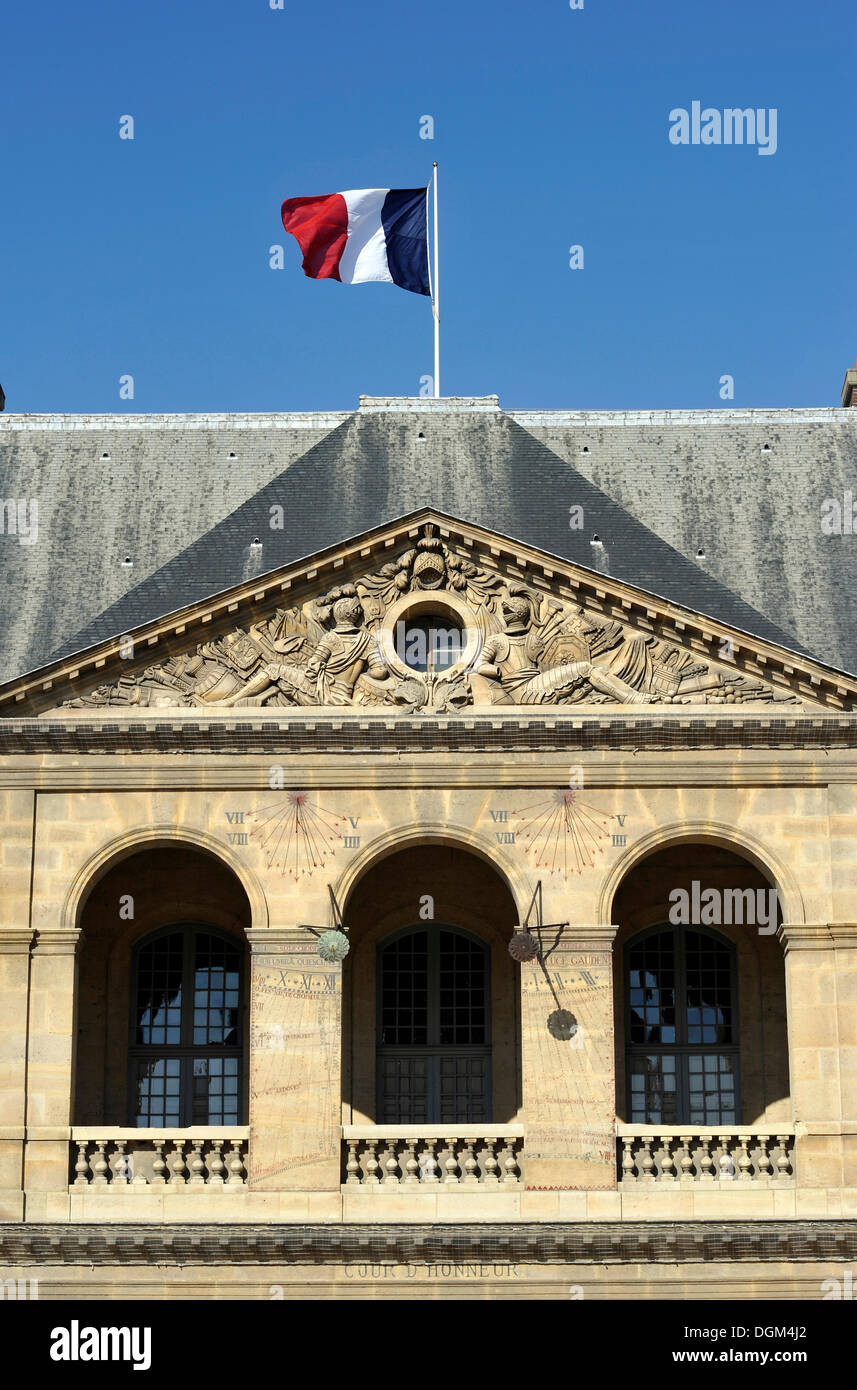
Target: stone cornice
{"points": [[280, 940], [844, 935], [15, 941], [516, 730], [583, 1242], [57, 941], [818, 936], [804, 936], [581, 937]]}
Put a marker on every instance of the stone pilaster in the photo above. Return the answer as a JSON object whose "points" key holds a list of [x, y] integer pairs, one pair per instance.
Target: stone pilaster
{"points": [[814, 1058], [14, 990], [50, 1071], [844, 937], [295, 1063], [569, 1085]]}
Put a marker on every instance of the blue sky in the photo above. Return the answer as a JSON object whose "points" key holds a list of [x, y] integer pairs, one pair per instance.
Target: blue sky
{"points": [[150, 257]]}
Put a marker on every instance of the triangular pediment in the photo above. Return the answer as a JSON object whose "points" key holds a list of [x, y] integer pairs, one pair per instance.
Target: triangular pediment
{"points": [[429, 613]]}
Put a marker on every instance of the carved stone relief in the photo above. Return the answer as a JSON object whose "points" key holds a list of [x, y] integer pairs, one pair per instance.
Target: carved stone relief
{"points": [[334, 650]]}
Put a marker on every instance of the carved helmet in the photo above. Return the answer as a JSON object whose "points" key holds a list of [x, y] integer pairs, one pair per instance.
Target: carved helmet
{"points": [[348, 610]]}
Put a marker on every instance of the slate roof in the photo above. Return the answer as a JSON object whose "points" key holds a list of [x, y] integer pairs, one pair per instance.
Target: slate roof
{"points": [[654, 487]]}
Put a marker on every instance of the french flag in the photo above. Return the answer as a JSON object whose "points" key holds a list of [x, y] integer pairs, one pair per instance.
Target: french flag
{"points": [[363, 234]]}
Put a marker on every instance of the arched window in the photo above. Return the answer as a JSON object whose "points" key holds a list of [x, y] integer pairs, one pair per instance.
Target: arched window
{"points": [[186, 1050], [434, 1053], [681, 1028]]}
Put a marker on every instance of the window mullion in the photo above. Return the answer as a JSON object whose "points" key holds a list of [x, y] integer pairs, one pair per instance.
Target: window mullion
{"points": [[433, 989], [680, 986], [188, 962], [683, 1084]]}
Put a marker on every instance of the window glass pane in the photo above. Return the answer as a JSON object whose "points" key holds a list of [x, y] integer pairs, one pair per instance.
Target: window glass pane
{"points": [[404, 991], [173, 1013], [156, 1092], [462, 990], [215, 1017], [653, 1090], [711, 1084], [215, 1091], [652, 989], [697, 1083], [433, 1029], [709, 993], [159, 991]]}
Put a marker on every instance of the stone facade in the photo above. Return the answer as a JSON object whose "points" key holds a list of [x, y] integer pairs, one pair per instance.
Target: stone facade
{"points": [[267, 766]]}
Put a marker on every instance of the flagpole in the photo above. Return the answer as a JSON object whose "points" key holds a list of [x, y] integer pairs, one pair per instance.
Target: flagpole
{"points": [[436, 299]]}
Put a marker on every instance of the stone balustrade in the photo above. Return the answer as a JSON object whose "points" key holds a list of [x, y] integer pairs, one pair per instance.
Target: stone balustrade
{"points": [[706, 1154], [108, 1159], [408, 1156]]}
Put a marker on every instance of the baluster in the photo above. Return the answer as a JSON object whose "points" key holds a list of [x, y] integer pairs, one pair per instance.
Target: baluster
{"points": [[100, 1166], [725, 1164], [511, 1166], [122, 1164], [138, 1176], [489, 1164], [159, 1167], [410, 1166], [745, 1163], [469, 1164], [178, 1167], [428, 1162], [667, 1173], [352, 1167], [451, 1163], [390, 1164], [81, 1166], [197, 1165], [706, 1162], [784, 1166], [685, 1158], [629, 1167], [236, 1164], [370, 1162], [763, 1159], [216, 1166], [645, 1162]]}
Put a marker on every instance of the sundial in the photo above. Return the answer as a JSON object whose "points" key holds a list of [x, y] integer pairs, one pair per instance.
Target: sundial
{"points": [[295, 835], [563, 834]]}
